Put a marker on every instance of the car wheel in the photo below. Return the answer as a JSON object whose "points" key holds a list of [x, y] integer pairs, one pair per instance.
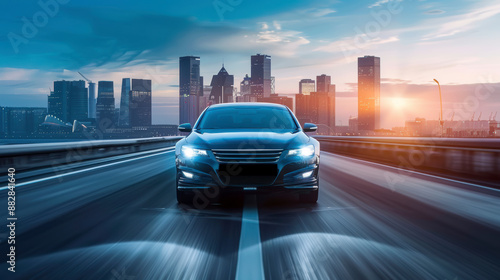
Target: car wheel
{"points": [[311, 197]]}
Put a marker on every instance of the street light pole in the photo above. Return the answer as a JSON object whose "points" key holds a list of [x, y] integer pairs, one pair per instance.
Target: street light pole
{"points": [[441, 121]]}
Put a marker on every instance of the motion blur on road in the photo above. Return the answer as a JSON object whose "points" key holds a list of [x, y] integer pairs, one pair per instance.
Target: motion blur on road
{"points": [[126, 224]]}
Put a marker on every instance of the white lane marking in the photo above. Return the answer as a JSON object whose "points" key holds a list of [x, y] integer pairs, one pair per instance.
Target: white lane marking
{"points": [[250, 264], [415, 172], [169, 150]]}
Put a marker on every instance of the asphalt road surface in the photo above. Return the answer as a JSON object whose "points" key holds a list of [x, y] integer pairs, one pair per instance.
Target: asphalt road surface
{"points": [[119, 219]]}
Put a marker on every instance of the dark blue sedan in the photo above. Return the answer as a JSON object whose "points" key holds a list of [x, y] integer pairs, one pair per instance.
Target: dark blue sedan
{"points": [[238, 148]]}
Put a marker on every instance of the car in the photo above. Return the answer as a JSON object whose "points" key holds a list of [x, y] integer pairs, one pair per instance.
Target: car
{"points": [[240, 148]]}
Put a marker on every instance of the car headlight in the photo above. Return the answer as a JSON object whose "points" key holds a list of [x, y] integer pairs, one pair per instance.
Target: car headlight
{"points": [[189, 152], [306, 151]]}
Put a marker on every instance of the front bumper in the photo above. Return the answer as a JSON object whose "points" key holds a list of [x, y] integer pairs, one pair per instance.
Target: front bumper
{"points": [[205, 174]]}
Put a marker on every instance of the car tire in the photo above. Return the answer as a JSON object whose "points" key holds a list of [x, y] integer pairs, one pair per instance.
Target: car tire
{"points": [[311, 197]]}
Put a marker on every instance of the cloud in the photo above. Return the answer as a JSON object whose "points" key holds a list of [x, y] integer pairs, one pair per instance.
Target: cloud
{"points": [[361, 42], [434, 12], [394, 81], [381, 2], [460, 23]]}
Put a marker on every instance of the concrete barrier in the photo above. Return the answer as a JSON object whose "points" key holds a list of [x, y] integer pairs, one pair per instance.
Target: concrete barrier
{"points": [[472, 159], [32, 156]]}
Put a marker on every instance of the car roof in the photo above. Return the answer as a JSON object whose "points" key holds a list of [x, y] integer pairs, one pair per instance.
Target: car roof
{"points": [[248, 104]]}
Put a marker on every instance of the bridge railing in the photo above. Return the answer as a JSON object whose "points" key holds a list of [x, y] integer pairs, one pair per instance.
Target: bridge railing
{"points": [[31, 156], [476, 160]]}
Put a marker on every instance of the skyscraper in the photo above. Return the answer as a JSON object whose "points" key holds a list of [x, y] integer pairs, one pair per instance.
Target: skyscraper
{"points": [[261, 75], [368, 93], [245, 85], [222, 87], [105, 105], [69, 101], [306, 86], [323, 83], [92, 101], [190, 88], [140, 103], [124, 119], [317, 108]]}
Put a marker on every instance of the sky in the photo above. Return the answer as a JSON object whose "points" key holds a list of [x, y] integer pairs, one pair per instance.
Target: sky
{"points": [[453, 41]]}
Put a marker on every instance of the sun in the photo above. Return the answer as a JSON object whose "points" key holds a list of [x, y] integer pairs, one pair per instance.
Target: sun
{"points": [[398, 102]]}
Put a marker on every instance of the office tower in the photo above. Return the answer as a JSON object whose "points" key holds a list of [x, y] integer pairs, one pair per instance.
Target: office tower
{"points": [[368, 93], [275, 98], [140, 103], [245, 85], [92, 101], [222, 87], [190, 88], [69, 101], [21, 121], [323, 83], [317, 108], [261, 75], [124, 119], [105, 108], [306, 86]]}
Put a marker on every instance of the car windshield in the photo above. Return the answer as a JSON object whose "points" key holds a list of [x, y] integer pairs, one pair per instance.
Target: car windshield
{"points": [[273, 118]]}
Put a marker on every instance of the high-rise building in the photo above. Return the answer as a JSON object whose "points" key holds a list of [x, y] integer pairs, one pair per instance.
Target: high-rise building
{"points": [[69, 101], [261, 82], [368, 93], [275, 98], [222, 87], [323, 83], [21, 121], [105, 111], [306, 86], [190, 88], [124, 120], [245, 85], [92, 101], [140, 103], [317, 108]]}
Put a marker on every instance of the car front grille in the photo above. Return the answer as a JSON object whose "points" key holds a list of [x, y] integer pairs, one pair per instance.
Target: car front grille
{"points": [[247, 156]]}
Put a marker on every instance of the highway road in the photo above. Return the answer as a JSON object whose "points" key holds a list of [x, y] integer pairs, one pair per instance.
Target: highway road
{"points": [[118, 219]]}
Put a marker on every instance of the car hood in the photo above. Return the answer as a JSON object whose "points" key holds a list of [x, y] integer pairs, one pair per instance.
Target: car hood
{"points": [[247, 140]]}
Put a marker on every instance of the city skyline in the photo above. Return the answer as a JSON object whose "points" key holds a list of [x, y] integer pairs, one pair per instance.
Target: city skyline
{"points": [[418, 40]]}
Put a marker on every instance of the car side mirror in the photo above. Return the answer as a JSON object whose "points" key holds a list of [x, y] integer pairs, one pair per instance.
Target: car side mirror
{"points": [[185, 127], [309, 127]]}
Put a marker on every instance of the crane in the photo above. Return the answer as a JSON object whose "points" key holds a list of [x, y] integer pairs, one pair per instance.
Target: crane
{"points": [[472, 118], [84, 77], [478, 119], [491, 116], [452, 116], [495, 116]]}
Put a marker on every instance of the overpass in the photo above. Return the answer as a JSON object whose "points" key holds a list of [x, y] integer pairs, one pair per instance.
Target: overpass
{"points": [[389, 208]]}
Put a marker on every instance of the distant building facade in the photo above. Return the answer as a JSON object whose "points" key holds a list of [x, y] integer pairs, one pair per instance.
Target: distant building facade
{"points": [[140, 103], [275, 98], [21, 121], [222, 87], [261, 81], [317, 108], [306, 86], [69, 101], [92, 100], [190, 89], [324, 84], [124, 119], [105, 105], [368, 93], [245, 87]]}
